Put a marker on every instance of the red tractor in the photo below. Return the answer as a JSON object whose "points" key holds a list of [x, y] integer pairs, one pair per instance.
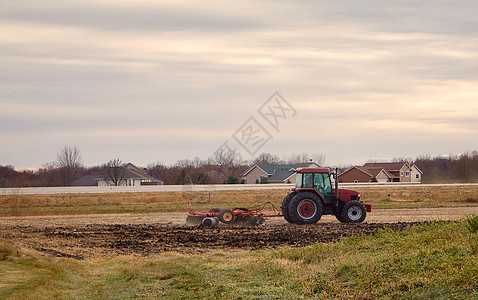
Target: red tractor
{"points": [[314, 196]]}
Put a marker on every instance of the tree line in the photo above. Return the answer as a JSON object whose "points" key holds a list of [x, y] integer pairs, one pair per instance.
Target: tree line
{"points": [[222, 167], [449, 168]]}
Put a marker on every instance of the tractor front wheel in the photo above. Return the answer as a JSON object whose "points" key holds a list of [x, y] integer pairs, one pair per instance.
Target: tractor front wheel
{"points": [[305, 208], [353, 212]]}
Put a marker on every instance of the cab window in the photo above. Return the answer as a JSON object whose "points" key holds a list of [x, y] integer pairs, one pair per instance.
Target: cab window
{"points": [[298, 180], [308, 180], [319, 182], [327, 185]]}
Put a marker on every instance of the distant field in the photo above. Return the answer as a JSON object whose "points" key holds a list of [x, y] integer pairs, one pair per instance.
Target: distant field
{"points": [[85, 203]]}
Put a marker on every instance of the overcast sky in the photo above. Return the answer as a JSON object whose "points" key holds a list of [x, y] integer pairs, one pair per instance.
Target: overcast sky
{"points": [[147, 81]]}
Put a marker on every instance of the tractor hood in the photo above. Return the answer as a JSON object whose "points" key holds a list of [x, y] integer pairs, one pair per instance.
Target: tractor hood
{"points": [[347, 195]]}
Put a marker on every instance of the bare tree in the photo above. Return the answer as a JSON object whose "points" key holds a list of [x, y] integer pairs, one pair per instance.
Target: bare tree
{"points": [[115, 173], [69, 163], [49, 175], [266, 159], [157, 170], [227, 159], [306, 157]]}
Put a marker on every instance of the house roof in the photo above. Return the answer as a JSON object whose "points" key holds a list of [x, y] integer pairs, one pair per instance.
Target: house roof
{"points": [[375, 171], [88, 180], [372, 172], [387, 166], [280, 172], [133, 172], [361, 169], [418, 169]]}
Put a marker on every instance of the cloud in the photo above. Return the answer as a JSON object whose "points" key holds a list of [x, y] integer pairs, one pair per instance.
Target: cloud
{"points": [[123, 16], [176, 74]]}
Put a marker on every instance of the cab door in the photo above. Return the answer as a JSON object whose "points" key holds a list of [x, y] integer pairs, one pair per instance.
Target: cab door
{"points": [[323, 186]]}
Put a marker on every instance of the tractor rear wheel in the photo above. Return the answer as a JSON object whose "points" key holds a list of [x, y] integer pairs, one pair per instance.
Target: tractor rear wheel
{"points": [[305, 208], [285, 207], [226, 216], [353, 212]]}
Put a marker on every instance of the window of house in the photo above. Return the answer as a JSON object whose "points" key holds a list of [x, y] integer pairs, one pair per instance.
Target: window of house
{"points": [[355, 181], [401, 173], [417, 176], [407, 174]]}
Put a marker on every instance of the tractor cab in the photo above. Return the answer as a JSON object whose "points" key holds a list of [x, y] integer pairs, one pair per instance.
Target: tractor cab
{"points": [[317, 179]]}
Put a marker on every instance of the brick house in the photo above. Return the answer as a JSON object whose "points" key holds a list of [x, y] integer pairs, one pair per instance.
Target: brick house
{"points": [[382, 172]]}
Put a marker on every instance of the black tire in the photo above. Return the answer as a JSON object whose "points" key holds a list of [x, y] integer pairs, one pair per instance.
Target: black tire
{"points": [[305, 208], [285, 207], [353, 212], [338, 213], [226, 216]]}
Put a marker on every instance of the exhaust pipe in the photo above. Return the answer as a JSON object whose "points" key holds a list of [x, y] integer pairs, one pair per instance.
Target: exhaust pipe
{"points": [[336, 185]]}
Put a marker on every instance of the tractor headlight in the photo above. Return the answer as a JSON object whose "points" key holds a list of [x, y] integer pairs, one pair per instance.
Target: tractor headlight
{"points": [[358, 197]]}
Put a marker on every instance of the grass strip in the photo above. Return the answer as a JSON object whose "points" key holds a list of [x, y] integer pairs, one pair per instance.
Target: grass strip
{"points": [[437, 260]]}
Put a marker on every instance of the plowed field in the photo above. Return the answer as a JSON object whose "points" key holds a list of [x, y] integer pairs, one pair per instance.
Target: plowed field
{"points": [[82, 236], [110, 240]]}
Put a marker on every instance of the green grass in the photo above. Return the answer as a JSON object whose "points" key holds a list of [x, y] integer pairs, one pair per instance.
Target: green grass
{"points": [[471, 222], [438, 260]]}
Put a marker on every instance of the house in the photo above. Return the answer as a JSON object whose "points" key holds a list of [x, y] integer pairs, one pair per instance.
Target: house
{"points": [[129, 175], [283, 173], [382, 172]]}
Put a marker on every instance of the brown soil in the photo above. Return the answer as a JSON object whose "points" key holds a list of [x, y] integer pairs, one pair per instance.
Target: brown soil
{"points": [[142, 240], [144, 234]]}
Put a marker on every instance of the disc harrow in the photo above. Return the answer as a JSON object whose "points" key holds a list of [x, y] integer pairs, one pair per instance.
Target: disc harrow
{"points": [[238, 216]]}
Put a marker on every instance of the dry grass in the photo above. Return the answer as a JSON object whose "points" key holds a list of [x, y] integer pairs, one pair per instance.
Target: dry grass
{"points": [[16, 205], [9, 249], [377, 196], [142, 198], [419, 196]]}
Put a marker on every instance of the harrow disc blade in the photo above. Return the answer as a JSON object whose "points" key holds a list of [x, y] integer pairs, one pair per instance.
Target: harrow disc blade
{"points": [[249, 221], [192, 220]]}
